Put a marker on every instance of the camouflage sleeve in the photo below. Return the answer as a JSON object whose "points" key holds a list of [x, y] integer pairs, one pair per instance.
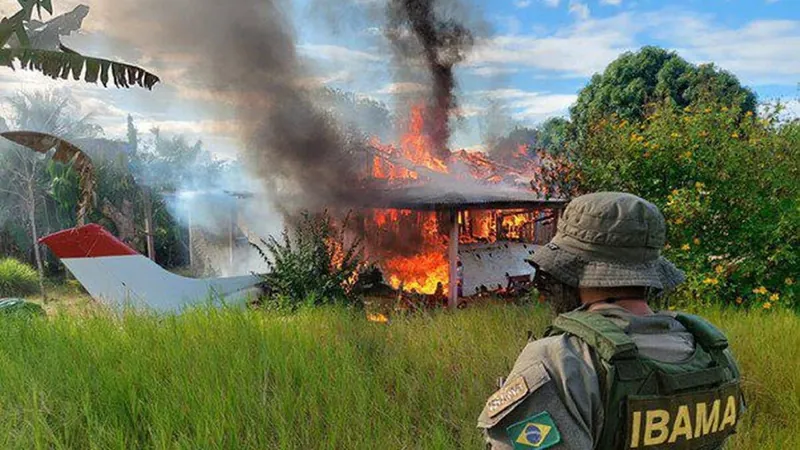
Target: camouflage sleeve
{"points": [[551, 398]]}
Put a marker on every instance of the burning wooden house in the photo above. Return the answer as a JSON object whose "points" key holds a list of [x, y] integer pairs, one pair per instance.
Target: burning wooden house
{"points": [[458, 223]]}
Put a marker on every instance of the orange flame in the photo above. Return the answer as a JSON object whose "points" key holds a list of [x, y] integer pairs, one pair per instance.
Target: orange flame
{"points": [[423, 273], [512, 225]]}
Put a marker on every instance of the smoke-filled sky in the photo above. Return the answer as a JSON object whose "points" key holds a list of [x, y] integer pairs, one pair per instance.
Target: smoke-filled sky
{"points": [[530, 55]]}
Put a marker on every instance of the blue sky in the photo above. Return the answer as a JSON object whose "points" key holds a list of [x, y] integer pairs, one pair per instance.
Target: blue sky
{"points": [[530, 60]]}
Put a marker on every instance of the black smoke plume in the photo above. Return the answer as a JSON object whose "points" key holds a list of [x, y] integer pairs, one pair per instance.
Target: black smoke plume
{"points": [[444, 43]]}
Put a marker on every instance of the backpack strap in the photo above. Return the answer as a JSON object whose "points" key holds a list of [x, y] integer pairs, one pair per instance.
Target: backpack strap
{"points": [[603, 335], [707, 335], [712, 340]]}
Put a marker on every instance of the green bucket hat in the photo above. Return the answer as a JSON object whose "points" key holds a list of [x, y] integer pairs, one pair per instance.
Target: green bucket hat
{"points": [[609, 239]]}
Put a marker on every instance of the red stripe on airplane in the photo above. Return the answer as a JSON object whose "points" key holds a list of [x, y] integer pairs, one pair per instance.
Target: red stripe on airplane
{"points": [[88, 241]]}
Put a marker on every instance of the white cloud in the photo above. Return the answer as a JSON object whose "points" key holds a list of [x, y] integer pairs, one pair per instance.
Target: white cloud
{"points": [[579, 50], [611, 2], [489, 72], [759, 52], [330, 78], [791, 108], [337, 53], [530, 106], [401, 88], [552, 3], [580, 10], [470, 110], [522, 3]]}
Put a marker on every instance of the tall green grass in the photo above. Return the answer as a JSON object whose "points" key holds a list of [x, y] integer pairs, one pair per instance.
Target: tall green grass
{"points": [[322, 379]]}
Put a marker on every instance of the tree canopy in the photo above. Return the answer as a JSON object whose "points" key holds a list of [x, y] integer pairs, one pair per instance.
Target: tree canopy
{"points": [[654, 75]]}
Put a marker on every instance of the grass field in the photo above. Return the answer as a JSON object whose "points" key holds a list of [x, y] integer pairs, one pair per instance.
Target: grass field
{"points": [[323, 379]]}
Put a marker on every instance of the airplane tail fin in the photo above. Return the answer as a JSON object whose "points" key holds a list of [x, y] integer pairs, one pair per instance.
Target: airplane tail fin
{"points": [[114, 273]]}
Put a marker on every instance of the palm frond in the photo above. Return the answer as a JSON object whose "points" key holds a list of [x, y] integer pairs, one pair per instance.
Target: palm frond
{"points": [[60, 64]]}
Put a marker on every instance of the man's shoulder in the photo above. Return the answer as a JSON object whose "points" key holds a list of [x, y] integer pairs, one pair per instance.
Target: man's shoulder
{"points": [[557, 353]]}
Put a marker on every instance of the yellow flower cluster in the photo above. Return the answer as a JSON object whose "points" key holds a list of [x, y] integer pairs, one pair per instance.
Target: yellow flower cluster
{"points": [[686, 247], [711, 281], [636, 137], [789, 281], [773, 297], [767, 305]]}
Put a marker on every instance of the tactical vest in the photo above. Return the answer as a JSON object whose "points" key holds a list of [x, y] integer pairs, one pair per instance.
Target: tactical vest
{"points": [[650, 404]]}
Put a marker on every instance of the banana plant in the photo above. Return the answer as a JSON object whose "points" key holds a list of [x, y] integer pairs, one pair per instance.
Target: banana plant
{"points": [[64, 62]]}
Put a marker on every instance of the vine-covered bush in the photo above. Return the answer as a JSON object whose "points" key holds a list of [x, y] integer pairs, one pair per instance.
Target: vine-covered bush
{"points": [[727, 182]]}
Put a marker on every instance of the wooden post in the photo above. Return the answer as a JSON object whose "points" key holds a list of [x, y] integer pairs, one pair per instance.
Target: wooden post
{"points": [[191, 237], [148, 223], [453, 260], [231, 235]]}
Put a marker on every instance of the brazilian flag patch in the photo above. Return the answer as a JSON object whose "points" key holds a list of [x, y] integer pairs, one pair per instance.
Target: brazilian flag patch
{"points": [[537, 431]]}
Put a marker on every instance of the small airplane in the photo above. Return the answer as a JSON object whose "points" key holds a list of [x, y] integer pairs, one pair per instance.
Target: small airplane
{"points": [[117, 275]]}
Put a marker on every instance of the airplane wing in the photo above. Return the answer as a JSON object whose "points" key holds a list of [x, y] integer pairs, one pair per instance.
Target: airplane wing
{"points": [[115, 274]]}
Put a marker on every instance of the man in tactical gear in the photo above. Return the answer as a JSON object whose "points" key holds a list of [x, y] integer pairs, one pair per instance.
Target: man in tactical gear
{"points": [[611, 373]]}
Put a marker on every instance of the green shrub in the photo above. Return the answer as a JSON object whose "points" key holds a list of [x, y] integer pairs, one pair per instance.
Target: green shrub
{"points": [[727, 184], [16, 278], [312, 264]]}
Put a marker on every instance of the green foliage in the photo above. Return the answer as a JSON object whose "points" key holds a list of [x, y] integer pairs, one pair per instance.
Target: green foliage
{"points": [[65, 62], [654, 75], [65, 191], [17, 279], [319, 379], [555, 135], [726, 181], [312, 265]]}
